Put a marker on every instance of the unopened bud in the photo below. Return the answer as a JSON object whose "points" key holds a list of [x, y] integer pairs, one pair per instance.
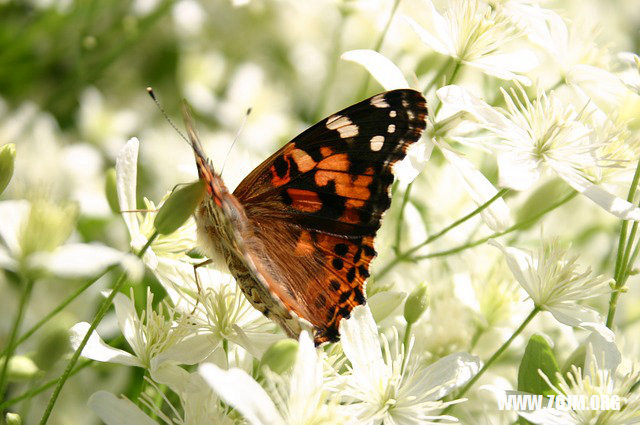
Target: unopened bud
{"points": [[178, 207], [13, 419], [416, 304], [21, 368], [281, 356], [52, 347], [7, 161]]}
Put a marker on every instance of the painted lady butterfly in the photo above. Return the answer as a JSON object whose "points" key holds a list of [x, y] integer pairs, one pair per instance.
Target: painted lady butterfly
{"points": [[298, 231]]}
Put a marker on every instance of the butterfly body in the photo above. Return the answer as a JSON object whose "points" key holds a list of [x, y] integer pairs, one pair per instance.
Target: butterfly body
{"points": [[298, 232]]}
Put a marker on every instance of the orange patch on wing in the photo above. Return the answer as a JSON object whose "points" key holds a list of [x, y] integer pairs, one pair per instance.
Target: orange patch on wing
{"points": [[304, 246], [351, 214], [278, 181], [302, 160], [345, 185], [325, 151], [339, 162], [304, 200]]}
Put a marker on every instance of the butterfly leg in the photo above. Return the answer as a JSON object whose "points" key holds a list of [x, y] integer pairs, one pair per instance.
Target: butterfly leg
{"points": [[195, 273]]}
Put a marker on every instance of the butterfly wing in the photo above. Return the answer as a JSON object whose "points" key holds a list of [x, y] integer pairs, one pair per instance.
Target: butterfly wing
{"points": [[316, 204]]}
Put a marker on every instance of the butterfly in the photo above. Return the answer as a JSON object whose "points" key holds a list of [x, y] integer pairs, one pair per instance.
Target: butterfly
{"points": [[298, 232]]}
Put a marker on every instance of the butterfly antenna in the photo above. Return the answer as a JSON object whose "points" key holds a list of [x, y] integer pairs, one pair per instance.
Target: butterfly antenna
{"points": [[164, 114], [235, 139]]}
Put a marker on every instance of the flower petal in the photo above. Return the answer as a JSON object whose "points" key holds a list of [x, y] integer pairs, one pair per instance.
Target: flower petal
{"points": [[520, 264], [573, 314], [191, 350], [496, 215], [382, 69], [117, 411], [126, 183], [97, 349], [12, 216], [608, 201], [238, 389], [360, 343], [601, 349], [78, 260], [449, 373], [548, 417]]}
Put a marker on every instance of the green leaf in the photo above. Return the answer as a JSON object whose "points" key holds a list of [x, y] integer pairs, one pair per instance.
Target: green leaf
{"points": [[537, 355]]}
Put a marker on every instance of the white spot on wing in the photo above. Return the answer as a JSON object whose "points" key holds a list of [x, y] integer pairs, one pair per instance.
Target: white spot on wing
{"points": [[379, 102], [343, 125], [393, 114], [376, 143], [391, 128]]}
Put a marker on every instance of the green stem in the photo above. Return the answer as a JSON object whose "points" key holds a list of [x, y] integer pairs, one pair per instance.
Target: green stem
{"points": [[377, 46], [513, 228], [405, 255], [11, 345], [104, 307], [405, 344], [398, 239], [59, 308], [452, 78], [622, 256], [494, 357], [436, 77]]}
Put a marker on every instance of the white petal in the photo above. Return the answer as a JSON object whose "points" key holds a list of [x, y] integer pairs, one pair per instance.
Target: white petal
{"points": [[412, 165], [117, 411], [520, 264], [507, 66], [518, 172], [126, 175], [496, 215], [608, 201], [430, 38], [383, 303], [601, 348], [191, 350], [78, 260], [306, 377], [97, 349], [573, 314], [360, 343], [239, 390], [127, 319], [382, 69], [13, 214], [449, 373], [549, 417]]}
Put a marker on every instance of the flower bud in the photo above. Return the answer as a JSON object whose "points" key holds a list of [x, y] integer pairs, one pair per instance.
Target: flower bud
{"points": [[13, 419], [178, 207], [111, 192], [52, 347], [281, 356], [7, 160], [416, 303], [21, 368]]}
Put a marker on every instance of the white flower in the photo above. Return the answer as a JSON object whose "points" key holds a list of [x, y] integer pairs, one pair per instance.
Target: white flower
{"points": [[153, 337], [474, 35], [394, 389], [554, 283], [603, 378], [631, 78], [21, 221], [532, 136], [198, 402], [225, 313], [381, 69], [140, 225], [301, 398]]}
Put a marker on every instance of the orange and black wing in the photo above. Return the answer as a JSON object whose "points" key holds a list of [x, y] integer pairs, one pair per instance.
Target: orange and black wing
{"points": [[316, 204]]}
